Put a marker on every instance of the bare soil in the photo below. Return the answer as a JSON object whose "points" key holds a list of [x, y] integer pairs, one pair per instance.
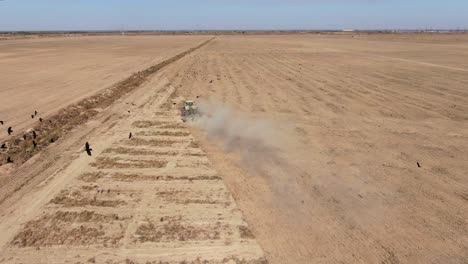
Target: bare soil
{"points": [[363, 158], [350, 118]]}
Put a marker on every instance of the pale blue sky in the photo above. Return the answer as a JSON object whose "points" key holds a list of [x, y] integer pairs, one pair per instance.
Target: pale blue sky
{"points": [[231, 14]]}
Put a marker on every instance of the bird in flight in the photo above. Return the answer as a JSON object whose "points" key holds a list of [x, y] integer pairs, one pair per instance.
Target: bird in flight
{"points": [[88, 149]]}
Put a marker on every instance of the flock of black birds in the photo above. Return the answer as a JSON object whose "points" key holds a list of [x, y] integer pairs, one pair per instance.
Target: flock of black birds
{"points": [[10, 131], [25, 136]]}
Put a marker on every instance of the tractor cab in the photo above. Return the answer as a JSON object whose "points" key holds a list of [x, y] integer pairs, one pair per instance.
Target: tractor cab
{"points": [[188, 104], [189, 109]]}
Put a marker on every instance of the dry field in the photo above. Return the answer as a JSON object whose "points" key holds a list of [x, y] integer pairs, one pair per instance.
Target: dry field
{"points": [[337, 149], [50, 73]]}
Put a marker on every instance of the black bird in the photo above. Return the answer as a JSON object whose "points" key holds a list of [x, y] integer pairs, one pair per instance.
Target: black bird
{"points": [[24, 137], [32, 116], [52, 140], [35, 113], [1, 122], [50, 121], [419, 165], [128, 111], [34, 135], [34, 144], [40, 119], [88, 149], [3, 146], [10, 130], [9, 160], [130, 136]]}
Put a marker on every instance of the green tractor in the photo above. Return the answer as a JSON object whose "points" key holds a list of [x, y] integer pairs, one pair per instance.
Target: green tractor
{"points": [[189, 109]]}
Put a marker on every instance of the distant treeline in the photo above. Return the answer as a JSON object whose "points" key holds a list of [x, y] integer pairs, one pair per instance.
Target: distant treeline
{"points": [[215, 32]]}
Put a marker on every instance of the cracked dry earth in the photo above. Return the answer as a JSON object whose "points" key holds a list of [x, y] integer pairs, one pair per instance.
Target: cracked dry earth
{"points": [[152, 198]]}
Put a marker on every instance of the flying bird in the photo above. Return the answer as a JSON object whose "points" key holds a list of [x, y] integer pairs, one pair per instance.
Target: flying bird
{"points": [[130, 136], [88, 149], [10, 130]]}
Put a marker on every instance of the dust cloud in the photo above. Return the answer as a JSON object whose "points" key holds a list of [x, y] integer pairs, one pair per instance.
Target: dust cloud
{"points": [[258, 142], [253, 139]]}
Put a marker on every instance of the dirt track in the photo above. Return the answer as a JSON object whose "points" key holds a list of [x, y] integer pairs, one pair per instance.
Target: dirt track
{"points": [[339, 181]]}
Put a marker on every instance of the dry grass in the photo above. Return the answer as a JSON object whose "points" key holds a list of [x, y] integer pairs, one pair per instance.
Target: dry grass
{"points": [[140, 152], [72, 228], [164, 133], [174, 230], [151, 142], [245, 233], [76, 198], [118, 163], [91, 176]]}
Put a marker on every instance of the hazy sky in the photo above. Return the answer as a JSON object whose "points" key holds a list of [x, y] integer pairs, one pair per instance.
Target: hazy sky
{"points": [[231, 14]]}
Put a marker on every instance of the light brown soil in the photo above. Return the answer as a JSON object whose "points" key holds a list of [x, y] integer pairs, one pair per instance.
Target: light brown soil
{"points": [[130, 202], [350, 118], [49, 74]]}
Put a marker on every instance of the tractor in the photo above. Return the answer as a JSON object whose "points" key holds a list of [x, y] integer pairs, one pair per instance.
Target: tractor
{"points": [[189, 110]]}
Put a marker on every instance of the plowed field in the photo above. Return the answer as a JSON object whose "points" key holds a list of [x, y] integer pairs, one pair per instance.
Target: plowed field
{"points": [[310, 149]]}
